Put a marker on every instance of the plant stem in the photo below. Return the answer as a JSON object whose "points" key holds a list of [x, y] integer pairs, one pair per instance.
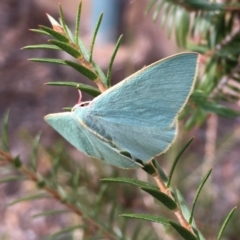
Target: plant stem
{"points": [[177, 212], [100, 85], [55, 194]]}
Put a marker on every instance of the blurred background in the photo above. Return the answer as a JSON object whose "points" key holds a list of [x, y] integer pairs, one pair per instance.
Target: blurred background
{"points": [[22, 91]]}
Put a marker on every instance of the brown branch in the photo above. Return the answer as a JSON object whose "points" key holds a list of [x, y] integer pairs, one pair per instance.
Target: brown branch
{"points": [[55, 194], [178, 213]]}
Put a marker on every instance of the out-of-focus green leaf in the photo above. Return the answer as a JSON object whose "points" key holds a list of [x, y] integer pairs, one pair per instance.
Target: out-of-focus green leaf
{"points": [[112, 214], [29, 198], [56, 158], [35, 145], [150, 5], [64, 231], [41, 182], [208, 28], [157, 10], [197, 48], [63, 193], [51, 213], [137, 231], [4, 135], [171, 20], [17, 162], [182, 23], [12, 178], [147, 235], [99, 198], [204, 5], [176, 161], [201, 100], [220, 110], [123, 228], [197, 194], [225, 223], [196, 119], [165, 13]]}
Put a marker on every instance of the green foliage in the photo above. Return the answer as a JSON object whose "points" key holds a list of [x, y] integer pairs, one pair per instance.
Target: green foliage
{"points": [[186, 213], [95, 36], [83, 87], [169, 202], [29, 198], [67, 184], [176, 161], [197, 194], [48, 60], [85, 71], [183, 231], [73, 45], [148, 217], [64, 231], [161, 197], [11, 179], [225, 223], [211, 29], [35, 152], [109, 73], [42, 46], [67, 48], [4, 144], [55, 34], [131, 181], [88, 204]]}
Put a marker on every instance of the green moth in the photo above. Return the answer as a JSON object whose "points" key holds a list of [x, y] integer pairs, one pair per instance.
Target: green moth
{"points": [[137, 115]]}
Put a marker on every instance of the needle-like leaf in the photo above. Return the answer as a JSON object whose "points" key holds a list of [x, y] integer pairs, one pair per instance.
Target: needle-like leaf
{"points": [[94, 36]]}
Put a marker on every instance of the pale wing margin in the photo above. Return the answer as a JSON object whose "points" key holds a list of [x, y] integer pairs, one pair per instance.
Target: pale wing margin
{"points": [[141, 111], [141, 143], [69, 126]]}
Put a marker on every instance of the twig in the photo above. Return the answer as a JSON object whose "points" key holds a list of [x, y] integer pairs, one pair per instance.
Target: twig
{"points": [[177, 212], [33, 176]]}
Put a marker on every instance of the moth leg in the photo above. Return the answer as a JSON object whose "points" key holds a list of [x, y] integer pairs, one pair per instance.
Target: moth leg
{"points": [[80, 97], [80, 103]]}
